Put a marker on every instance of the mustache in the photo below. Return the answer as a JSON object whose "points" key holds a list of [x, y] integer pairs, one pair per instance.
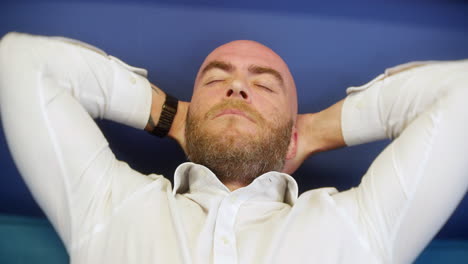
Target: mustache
{"points": [[235, 104]]}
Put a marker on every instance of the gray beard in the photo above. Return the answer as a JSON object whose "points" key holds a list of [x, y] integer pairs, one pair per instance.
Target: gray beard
{"points": [[238, 159]]}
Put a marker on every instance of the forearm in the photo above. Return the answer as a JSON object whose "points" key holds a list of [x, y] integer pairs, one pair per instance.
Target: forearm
{"points": [[384, 107], [315, 133], [103, 85], [157, 100], [320, 131], [323, 129]]}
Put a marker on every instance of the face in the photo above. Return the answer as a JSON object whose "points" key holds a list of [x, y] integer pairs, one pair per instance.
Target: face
{"points": [[241, 116]]}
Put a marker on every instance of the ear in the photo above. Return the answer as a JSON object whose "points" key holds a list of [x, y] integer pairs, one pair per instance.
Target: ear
{"points": [[292, 148]]}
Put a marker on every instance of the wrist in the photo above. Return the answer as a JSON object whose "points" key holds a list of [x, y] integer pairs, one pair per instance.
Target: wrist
{"points": [[158, 98], [177, 130], [314, 140], [167, 114], [325, 129]]}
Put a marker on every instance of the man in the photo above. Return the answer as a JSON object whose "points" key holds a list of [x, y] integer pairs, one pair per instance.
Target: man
{"points": [[236, 202]]}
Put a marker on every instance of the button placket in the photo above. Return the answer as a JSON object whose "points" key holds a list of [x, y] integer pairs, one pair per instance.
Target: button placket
{"points": [[225, 250]]}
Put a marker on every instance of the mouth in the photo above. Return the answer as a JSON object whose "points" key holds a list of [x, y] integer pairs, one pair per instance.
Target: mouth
{"points": [[234, 112]]}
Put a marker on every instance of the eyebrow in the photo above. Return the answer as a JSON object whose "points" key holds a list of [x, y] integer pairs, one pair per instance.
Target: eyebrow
{"points": [[225, 66], [255, 69], [260, 70]]}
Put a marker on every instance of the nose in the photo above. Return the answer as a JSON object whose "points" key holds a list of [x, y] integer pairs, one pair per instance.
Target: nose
{"points": [[238, 89]]}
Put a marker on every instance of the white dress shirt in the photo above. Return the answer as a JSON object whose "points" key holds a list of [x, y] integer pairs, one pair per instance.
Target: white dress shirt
{"points": [[106, 212]]}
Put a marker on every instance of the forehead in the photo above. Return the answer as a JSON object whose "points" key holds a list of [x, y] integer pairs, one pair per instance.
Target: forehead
{"points": [[243, 53]]}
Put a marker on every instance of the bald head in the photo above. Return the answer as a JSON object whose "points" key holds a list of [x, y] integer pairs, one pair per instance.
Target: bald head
{"points": [[241, 119], [254, 58]]}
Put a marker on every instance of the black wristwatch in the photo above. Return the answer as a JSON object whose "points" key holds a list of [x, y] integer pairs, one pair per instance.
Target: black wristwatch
{"points": [[168, 112]]}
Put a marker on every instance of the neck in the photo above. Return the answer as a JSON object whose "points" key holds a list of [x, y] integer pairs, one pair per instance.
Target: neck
{"points": [[232, 186]]}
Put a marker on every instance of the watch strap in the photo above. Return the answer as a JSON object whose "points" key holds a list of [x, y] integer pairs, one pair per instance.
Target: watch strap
{"points": [[168, 112]]}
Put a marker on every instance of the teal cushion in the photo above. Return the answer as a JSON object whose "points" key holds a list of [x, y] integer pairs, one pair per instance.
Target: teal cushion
{"points": [[29, 240], [444, 252]]}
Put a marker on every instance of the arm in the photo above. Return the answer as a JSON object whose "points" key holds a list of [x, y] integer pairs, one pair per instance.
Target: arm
{"points": [[415, 184], [50, 89]]}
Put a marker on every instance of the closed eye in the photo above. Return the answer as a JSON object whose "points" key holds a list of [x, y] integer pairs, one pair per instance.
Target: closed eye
{"points": [[264, 87], [213, 81]]}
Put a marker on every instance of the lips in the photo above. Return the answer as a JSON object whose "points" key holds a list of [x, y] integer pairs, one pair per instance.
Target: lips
{"points": [[234, 112]]}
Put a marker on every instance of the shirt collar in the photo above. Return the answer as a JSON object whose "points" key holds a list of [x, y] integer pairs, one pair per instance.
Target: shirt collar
{"points": [[271, 186]]}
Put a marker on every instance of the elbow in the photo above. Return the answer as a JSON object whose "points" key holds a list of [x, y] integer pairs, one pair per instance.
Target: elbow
{"points": [[9, 40], [20, 54], [15, 44], [10, 47]]}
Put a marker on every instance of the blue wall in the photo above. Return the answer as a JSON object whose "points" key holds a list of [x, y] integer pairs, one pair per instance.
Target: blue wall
{"points": [[328, 46]]}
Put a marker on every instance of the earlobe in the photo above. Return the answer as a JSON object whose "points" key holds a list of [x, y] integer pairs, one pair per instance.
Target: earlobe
{"points": [[292, 148]]}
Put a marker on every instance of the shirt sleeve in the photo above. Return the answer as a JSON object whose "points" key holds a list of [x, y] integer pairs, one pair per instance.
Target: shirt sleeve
{"points": [[415, 184], [50, 89]]}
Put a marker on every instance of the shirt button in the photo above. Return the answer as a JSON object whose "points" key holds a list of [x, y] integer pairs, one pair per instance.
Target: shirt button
{"points": [[133, 80], [225, 240]]}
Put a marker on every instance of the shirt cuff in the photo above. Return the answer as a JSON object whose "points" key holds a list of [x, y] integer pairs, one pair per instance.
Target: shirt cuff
{"points": [[130, 101], [360, 117]]}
